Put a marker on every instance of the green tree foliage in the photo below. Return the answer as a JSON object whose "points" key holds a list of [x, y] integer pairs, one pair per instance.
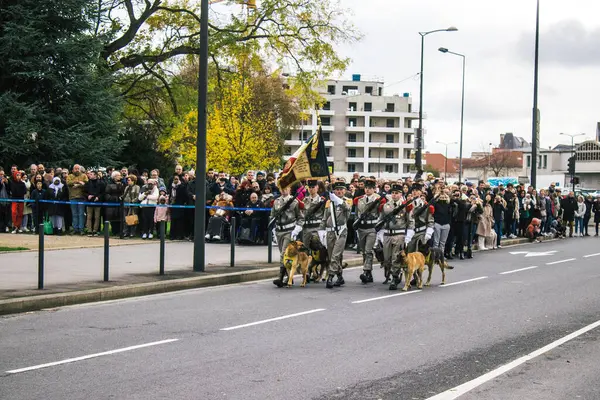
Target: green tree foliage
{"points": [[56, 102]]}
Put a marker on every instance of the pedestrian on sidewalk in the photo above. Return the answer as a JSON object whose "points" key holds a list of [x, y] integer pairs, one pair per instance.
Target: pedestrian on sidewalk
{"points": [[94, 189], [589, 204], [76, 183], [148, 197], [130, 195], [596, 209], [57, 192], [579, 213]]}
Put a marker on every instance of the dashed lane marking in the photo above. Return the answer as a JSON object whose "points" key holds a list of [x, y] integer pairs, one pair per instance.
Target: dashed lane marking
{"points": [[231, 328], [516, 270], [592, 255], [461, 282], [561, 261], [385, 297]]}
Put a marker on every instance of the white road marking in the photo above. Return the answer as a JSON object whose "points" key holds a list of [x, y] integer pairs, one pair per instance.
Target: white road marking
{"points": [[106, 353], [272, 319], [561, 261], [458, 391], [385, 297], [592, 255], [516, 270], [534, 253], [459, 282]]}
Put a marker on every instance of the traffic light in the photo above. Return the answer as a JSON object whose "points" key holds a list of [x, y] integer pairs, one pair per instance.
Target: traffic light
{"points": [[576, 180], [572, 165]]}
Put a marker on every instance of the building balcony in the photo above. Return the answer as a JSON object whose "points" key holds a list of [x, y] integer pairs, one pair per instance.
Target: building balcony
{"points": [[291, 142], [326, 113], [357, 113], [355, 159], [355, 144], [383, 160], [355, 128], [384, 129], [384, 145], [327, 128]]}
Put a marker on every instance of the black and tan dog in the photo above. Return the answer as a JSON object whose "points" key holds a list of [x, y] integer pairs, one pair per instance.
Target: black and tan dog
{"points": [[436, 256], [319, 263], [412, 264], [296, 255]]}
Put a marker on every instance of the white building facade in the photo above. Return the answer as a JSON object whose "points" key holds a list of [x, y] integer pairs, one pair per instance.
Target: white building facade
{"points": [[364, 130]]}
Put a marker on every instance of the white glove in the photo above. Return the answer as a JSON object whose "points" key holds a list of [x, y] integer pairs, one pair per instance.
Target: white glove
{"points": [[428, 234], [409, 235], [296, 232], [323, 237], [379, 237], [336, 200]]}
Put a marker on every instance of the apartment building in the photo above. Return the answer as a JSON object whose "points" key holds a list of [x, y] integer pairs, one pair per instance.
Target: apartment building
{"points": [[365, 131]]}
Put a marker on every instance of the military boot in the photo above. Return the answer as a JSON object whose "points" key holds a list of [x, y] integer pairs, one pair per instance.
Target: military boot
{"points": [[395, 282], [469, 253], [282, 274], [339, 281], [387, 274], [329, 282], [366, 276]]}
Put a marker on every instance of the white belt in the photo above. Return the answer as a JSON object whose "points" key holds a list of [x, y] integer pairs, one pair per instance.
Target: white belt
{"points": [[340, 228], [394, 231], [312, 222], [284, 227], [421, 229]]}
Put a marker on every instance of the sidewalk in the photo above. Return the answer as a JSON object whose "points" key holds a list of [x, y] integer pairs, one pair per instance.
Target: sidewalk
{"points": [[51, 242]]}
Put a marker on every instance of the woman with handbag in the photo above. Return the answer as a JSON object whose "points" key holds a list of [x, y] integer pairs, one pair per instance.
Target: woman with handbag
{"points": [[131, 194]]}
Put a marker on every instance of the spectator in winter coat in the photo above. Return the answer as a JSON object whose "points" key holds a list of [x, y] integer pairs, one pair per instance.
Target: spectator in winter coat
{"points": [[579, 213], [94, 190], [76, 182], [5, 207], [596, 209], [148, 196], [589, 204], [130, 195], [161, 212], [38, 193], [113, 194], [57, 191], [17, 192], [499, 210], [568, 206]]}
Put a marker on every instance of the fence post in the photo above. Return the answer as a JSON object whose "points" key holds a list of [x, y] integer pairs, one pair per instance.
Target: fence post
{"points": [[106, 249], [232, 235], [162, 227], [38, 220], [122, 217], [41, 256], [269, 245]]}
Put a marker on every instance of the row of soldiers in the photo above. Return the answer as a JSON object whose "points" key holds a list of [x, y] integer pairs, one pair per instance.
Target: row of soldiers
{"points": [[390, 223]]}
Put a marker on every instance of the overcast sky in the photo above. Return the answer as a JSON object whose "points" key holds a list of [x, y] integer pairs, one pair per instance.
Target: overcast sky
{"points": [[498, 39]]}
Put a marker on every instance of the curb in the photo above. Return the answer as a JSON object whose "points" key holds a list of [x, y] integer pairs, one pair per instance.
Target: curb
{"points": [[35, 303]]}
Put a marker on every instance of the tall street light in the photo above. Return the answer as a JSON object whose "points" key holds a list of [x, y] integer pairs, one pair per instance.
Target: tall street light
{"points": [[536, 123], [200, 203], [446, 158], [462, 109], [572, 151], [419, 139]]}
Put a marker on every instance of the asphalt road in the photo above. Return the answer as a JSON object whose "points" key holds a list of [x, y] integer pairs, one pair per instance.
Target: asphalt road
{"points": [[254, 341]]}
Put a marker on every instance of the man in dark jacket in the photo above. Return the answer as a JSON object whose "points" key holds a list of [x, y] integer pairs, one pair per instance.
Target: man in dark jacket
{"points": [[460, 208], [94, 192], [511, 204], [568, 206], [4, 205]]}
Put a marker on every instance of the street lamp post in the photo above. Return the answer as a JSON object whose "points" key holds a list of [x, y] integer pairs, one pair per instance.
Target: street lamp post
{"points": [[419, 139], [200, 203], [535, 125], [446, 158], [462, 110], [572, 152]]}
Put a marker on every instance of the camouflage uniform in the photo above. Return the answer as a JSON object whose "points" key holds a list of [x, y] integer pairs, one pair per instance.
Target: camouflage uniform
{"points": [[366, 231], [395, 233], [423, 216], [311, 227], [284, 225], [335, 243]]}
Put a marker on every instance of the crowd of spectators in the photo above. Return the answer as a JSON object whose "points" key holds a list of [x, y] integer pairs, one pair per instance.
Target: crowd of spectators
{"points": [[466, 213]]}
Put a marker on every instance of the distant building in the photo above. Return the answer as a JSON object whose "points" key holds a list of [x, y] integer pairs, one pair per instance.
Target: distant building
{"points": [[437, 161], [508, 141]]}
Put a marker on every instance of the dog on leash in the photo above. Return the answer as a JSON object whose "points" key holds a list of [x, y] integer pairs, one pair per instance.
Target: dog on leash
{"points": [[412, 264], [319, 263], [436, 256], [296, 256]]}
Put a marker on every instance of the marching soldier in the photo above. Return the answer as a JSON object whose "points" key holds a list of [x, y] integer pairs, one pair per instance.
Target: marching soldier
{"points": [[423, 216], [288, 222], [367, 208], [333, 231], [397, 233], [313, 212]]}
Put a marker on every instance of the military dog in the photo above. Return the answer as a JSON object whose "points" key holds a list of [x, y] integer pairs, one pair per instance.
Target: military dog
{"points": [[412, 264], [436, 256], [319, 263], [296, 255]]}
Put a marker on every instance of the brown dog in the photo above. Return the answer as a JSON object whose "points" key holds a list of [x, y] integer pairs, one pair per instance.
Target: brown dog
{"points": [[436, 256], [295, 256], [412, 263]]}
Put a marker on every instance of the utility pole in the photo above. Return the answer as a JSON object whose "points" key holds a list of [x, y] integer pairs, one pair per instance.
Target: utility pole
{"points": [[535, 125]]}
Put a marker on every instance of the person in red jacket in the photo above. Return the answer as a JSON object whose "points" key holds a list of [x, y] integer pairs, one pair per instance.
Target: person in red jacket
{"points": [[18, 189]]}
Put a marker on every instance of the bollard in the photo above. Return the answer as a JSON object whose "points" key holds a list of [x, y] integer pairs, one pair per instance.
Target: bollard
{"points": [[232, 235], [106, 249], [41, 256], [122, 214], [269, 245], [162, 228]]}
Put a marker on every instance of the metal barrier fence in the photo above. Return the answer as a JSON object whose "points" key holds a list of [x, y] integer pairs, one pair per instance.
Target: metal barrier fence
{"points": [[161, 227]]}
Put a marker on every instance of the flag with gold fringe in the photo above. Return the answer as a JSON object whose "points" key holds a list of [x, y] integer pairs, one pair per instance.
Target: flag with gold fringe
{"points": [[308, 162]]}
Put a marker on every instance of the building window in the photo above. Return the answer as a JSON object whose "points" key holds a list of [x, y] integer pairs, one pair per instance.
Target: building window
{"points": [[368, 107], [327, 151], [370, 153], [380, 91], [528, 161], [352, 106], [410, 108], [326, 136], [348, 88], [389, 168], [327, 106], [351, 152], [304, 135], [352, 137], [390, 107], [369, 90], [351, 167], [287, 151], [325, 121], [288, 136], [389, 123], [389, 138], [352, 122], [331, 89], [389, 154], [545, 162]]}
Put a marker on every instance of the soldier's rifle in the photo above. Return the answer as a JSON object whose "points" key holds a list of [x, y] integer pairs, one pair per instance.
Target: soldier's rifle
{"points": [[367, 211], [391, 216], [280, 212], [315, 210]]}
